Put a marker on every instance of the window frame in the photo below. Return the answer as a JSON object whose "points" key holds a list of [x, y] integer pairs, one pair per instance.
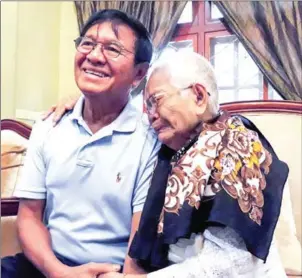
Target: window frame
{"points": [[202, 29]]}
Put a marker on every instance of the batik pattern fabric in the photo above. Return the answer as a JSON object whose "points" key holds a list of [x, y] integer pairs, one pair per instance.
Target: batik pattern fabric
{"points": [[227, 156]]}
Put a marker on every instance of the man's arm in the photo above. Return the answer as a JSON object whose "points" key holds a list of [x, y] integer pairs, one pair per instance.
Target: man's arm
{"points": [[31, 189], [130, 265], [131, 269], [148, 161], [34, 236], [36, 243], [35, 239]]}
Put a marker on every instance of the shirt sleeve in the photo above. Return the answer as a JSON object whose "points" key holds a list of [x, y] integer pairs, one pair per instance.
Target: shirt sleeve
{"points": [[31, 184], [223, 254], [150, 152]]}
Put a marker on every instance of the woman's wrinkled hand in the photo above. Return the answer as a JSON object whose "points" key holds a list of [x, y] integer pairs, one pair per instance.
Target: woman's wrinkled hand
{"points": [[64, 105]]}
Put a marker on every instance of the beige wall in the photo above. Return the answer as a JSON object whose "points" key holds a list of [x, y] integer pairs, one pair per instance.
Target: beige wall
{"points": [[8, 53], [37, 54], [68, 32]]}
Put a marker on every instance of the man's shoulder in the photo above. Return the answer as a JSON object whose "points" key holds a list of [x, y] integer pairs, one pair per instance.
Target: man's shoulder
{"points": [[42, 129]]}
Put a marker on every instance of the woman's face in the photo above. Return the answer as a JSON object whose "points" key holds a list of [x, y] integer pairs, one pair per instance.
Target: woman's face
{"points": [[171, 111]]}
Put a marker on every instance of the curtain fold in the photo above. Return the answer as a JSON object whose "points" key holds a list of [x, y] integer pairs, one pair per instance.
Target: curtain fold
{"points": [[159, 17], [271, 31]]}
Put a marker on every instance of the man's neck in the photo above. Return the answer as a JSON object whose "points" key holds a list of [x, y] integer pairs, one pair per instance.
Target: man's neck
{"points": [[98, 113]]}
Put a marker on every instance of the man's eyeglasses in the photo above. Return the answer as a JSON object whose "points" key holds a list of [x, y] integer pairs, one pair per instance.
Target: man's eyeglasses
{"points": [[110, 50], [151, 102]]}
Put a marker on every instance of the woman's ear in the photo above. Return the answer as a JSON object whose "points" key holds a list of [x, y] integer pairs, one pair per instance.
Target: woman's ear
{"points": [[202, 97]]}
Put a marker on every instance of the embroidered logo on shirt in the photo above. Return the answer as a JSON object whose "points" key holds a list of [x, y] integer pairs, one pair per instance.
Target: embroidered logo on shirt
{"points": [[118, 177]]}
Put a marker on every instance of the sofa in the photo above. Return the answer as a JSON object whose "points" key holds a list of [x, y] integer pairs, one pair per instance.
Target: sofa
{"points": [[279, 121]]}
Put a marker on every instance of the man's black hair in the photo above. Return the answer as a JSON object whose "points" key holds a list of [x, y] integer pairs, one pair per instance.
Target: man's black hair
{"points": [[143, 43]]}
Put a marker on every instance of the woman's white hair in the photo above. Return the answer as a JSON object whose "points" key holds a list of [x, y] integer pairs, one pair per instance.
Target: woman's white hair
{"points": [[186, 68]]}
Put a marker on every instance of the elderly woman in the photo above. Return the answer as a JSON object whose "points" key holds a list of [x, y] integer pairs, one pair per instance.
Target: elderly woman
{"points": [[216, 191]]}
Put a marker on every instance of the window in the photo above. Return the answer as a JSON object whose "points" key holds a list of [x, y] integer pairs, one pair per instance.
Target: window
{"points": [[187, 14], [238, 77], [176, 46], [201, 30], [272, 94], [215, 13]]}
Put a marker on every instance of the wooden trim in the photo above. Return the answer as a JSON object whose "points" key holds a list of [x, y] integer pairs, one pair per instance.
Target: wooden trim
{"points": [[9, 206], [190, 27], [207, 13], [209, 36], [192, 37], [21, 128], [200, 25], [274, 106], [186, 29], [211, 25], [265, 88], [197, 7], [214, 27]]}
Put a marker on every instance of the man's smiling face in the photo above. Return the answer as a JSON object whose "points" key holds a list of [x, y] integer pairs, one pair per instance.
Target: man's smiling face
{"points": [[97, 74]]}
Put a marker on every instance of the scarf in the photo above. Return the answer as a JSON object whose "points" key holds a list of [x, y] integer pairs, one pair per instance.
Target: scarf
{"points": [[230, 176]]}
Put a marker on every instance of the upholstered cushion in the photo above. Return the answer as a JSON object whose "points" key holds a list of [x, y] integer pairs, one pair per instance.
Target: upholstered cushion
{"points": [[287, 241], [284, 133], [11, 162], [9, 240], [13, 148]]}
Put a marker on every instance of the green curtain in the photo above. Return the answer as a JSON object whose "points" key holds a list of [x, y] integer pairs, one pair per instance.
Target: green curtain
{"points": [[159, 17], [271, 32]]}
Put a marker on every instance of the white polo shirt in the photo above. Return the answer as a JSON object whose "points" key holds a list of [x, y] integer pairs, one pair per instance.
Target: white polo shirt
{"points": [[92, 183]]}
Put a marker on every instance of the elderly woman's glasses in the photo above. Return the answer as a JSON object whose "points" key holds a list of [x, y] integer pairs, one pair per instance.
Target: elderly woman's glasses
{"points": [[110, 50], [151, 103]]}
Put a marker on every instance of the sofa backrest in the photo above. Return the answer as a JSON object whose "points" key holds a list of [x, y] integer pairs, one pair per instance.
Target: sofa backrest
{"points": [[281, 123], [14, 139]]}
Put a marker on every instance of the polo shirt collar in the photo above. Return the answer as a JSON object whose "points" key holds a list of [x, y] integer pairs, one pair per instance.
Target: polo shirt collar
{"points": [[125, 122]]}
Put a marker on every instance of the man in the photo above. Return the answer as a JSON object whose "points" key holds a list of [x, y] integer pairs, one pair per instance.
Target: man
{"points": [[85, 181]]}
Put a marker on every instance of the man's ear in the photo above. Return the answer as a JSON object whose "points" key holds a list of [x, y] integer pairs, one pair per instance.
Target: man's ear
{"points": [[140, 72], [202, 98]]}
